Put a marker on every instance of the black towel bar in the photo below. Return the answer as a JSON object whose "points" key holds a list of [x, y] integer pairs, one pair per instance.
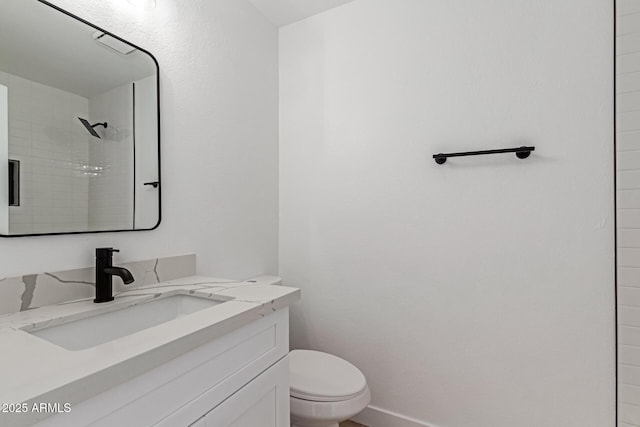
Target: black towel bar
{"points": [[521, 153]]}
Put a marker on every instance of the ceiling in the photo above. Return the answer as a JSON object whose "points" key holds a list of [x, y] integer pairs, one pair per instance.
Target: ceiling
{"points": [[284, 12], [43, 45]]}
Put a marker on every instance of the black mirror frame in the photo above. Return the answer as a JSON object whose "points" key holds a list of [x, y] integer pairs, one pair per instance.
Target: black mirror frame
{"points": [[158, 182]]}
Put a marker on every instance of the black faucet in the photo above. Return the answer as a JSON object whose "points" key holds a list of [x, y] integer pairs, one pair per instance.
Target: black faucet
{"points": [[104, 272]]}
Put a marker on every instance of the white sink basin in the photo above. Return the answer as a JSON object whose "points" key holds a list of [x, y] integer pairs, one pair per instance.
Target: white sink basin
{"points": [[99, 329]]}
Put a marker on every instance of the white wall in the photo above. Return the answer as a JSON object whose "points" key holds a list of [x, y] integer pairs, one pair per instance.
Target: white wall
{"points": [[218, 64], [628, 210], [481, 292]]}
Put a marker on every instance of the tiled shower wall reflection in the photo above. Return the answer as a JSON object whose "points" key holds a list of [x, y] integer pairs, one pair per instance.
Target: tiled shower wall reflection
{"points": [[69, 180], [111, 198], [52, 146], [628, 209]]}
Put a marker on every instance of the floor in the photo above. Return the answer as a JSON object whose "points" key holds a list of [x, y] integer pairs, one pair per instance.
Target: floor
{"points": [[351, 424]]}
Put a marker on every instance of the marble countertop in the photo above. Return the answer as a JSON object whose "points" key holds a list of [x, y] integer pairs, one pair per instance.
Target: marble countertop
{"points": [[33, 370]]}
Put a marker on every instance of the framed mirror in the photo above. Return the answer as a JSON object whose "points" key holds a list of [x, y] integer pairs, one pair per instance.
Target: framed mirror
{"points": [[79, 126]]}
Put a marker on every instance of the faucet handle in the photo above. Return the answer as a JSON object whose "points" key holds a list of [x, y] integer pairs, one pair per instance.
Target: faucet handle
{"points": [[105, 252]]}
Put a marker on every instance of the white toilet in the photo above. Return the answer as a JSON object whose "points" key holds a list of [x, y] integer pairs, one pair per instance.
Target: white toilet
{"points": [[325, 389]]}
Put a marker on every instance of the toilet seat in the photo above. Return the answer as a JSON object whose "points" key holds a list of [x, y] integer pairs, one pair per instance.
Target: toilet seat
{"points": [[310, 413], [322, 377]]}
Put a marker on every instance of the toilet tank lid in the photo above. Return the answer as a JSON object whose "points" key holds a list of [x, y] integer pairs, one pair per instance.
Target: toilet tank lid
{"points": [[322, 377]]}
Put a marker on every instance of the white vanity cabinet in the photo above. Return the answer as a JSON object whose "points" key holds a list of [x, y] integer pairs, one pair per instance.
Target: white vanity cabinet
{"points": [[240, 379], [263, 402]]}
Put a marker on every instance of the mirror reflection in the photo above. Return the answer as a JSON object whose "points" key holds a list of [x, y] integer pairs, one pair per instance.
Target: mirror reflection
{"points": [[79, 143]]}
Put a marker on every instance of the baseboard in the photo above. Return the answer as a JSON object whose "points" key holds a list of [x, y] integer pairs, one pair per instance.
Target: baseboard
{"points": [[373, 416]]}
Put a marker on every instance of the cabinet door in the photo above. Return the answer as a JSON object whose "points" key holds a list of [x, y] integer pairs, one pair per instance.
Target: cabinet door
{"points": [[200, 423], [263, 402]]}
